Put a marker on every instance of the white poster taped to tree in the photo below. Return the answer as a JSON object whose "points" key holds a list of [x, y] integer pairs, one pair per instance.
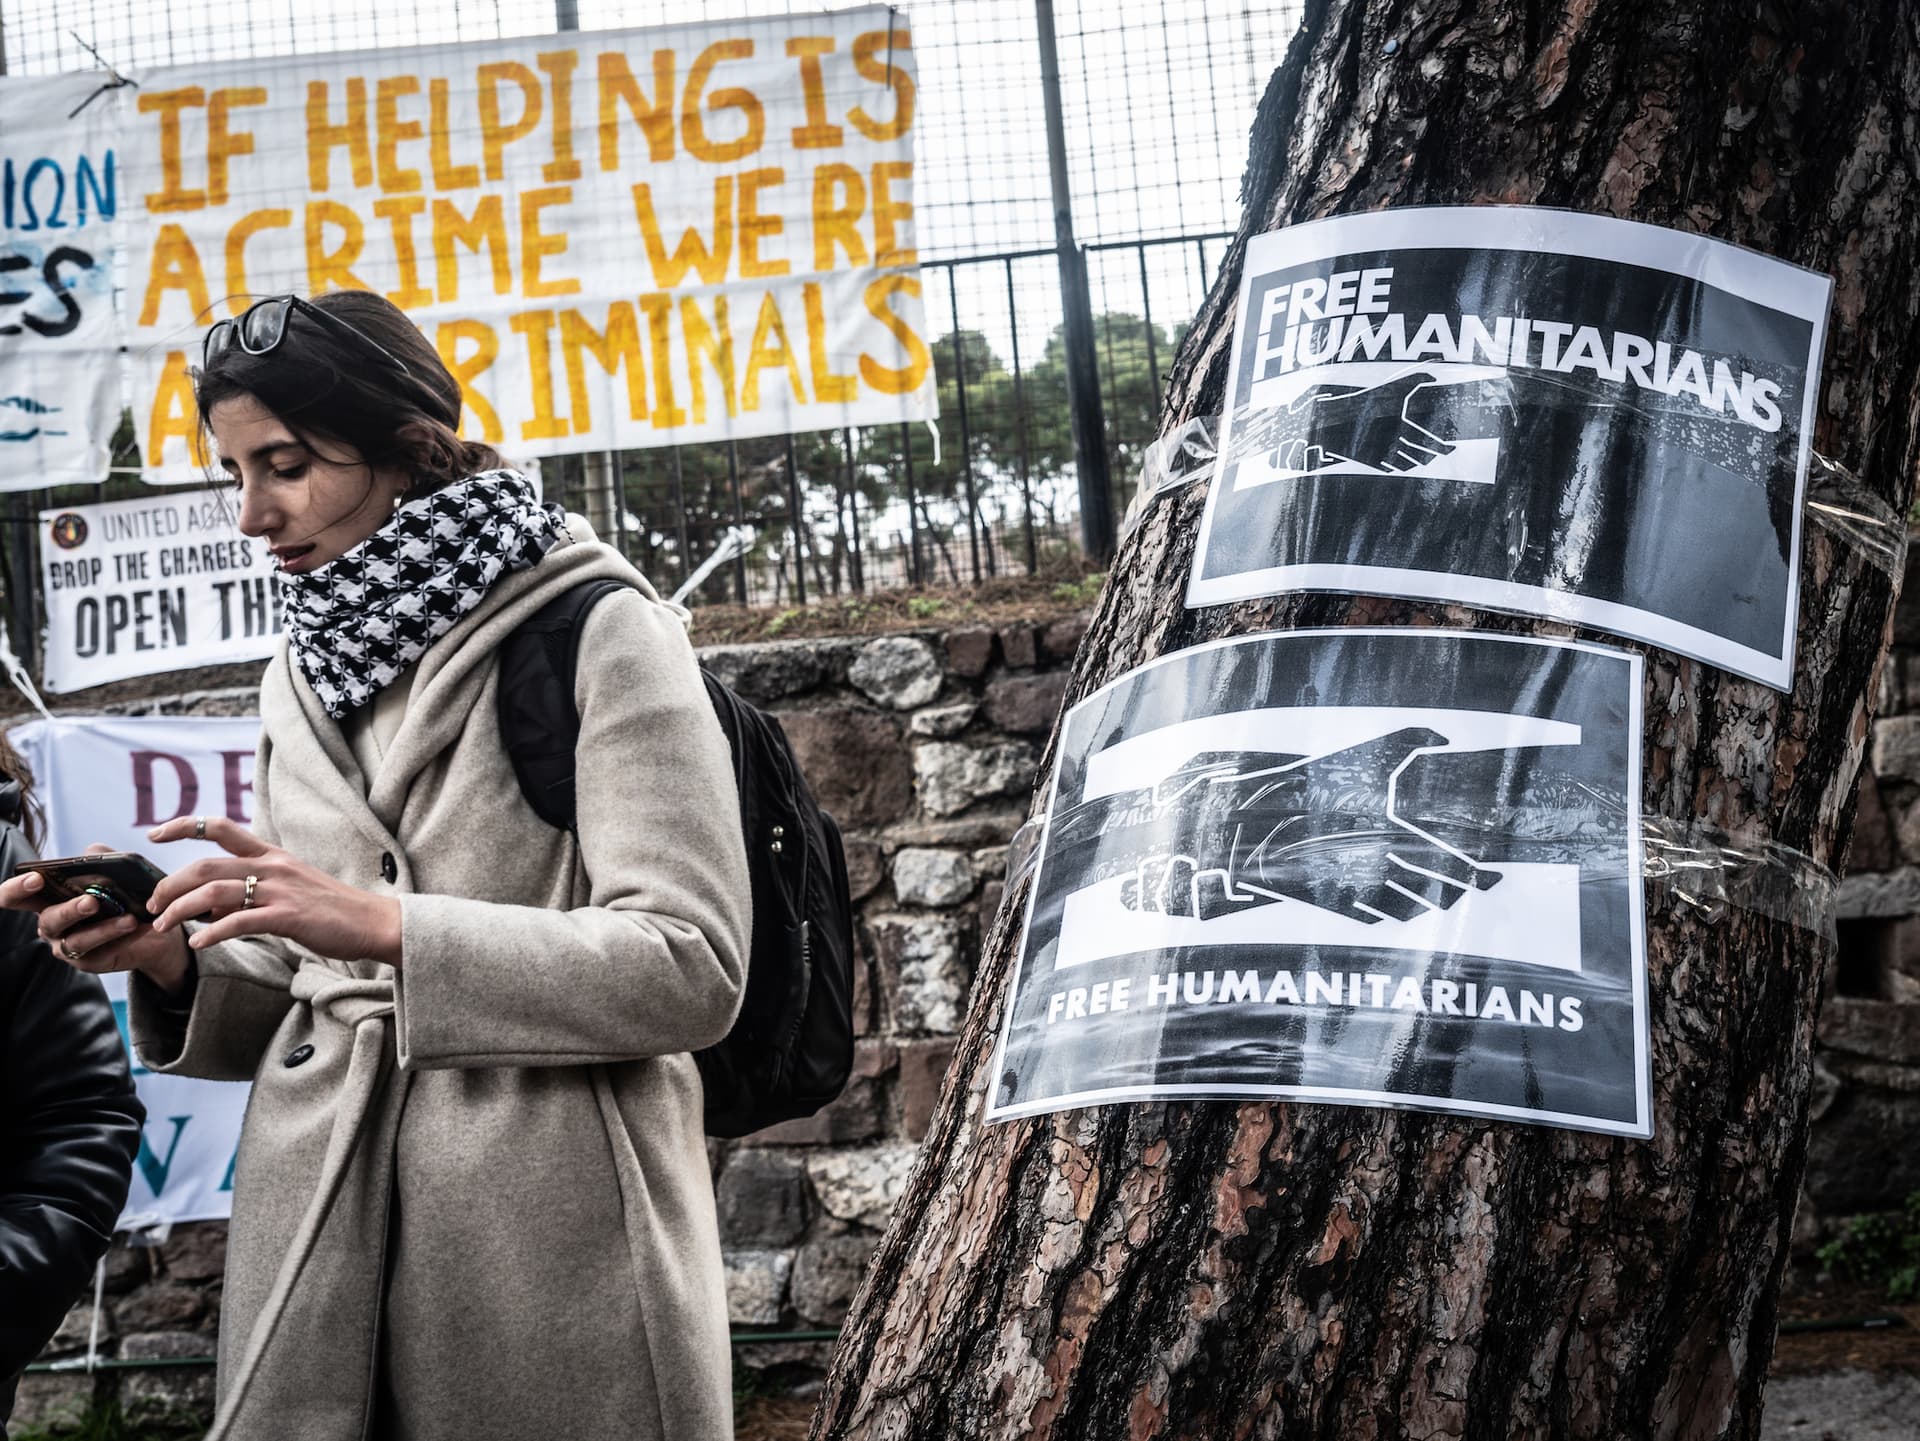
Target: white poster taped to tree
{"points": [[161, 583], [1527, 410], [61, 188], [615, 239], [1361, 866], [107, 780]]}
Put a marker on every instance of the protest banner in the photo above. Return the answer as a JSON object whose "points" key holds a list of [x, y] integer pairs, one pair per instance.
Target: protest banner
{"points": [[108, 780], [1526, 410], [614, 239], [1368, 866], [61, 189], [161, 583]]}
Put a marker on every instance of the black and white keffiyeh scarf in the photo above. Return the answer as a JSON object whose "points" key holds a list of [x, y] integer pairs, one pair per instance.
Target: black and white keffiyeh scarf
{"points": [[356, 623]]}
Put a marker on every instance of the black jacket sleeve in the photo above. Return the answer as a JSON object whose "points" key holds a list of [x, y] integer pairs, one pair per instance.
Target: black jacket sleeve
{"points": [[69, 1131]]}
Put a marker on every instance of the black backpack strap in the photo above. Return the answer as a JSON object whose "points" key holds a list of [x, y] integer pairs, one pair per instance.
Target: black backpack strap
{"points": [[539, 723]]}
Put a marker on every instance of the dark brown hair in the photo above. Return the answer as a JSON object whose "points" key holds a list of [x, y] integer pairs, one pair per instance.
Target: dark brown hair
{"points": [[329, 386], [13, 767]]}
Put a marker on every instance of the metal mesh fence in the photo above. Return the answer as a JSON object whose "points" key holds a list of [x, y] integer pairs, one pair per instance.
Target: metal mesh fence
{"points": [[1158, 96]]}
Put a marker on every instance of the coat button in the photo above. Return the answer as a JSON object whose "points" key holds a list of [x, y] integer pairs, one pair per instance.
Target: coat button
{"points": [[298, 1056], [389, 868]]}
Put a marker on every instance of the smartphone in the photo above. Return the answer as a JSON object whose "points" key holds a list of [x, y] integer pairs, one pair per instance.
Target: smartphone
{"points": [[121, 881]]}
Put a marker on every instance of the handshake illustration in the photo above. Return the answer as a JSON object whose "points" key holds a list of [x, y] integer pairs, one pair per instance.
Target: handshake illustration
{"points": [[1248, 830], [1401, 424]]}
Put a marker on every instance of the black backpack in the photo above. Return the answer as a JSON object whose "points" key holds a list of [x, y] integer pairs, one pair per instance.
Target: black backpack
{"points": [[791, 1048]]}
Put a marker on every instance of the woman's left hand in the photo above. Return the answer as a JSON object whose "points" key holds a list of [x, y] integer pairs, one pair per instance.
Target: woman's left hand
{"points": [[258, 889]]}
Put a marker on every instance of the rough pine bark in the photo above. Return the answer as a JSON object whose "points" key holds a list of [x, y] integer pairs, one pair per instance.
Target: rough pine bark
{"points": [[1217, 1270]]}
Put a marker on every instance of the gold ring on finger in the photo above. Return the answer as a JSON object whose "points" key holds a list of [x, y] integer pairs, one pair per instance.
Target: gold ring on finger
{"points": [[67, 950], [246, 901]]}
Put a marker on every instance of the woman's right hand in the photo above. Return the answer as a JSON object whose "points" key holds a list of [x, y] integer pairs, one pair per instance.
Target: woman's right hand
{"points": [[88, 941]]}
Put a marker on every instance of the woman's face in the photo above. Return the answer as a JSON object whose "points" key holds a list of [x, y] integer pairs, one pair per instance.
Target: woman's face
{"points": [[308, 507]]}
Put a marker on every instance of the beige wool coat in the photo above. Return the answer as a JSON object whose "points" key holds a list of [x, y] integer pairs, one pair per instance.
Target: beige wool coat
{"points": [[472, 1197]]}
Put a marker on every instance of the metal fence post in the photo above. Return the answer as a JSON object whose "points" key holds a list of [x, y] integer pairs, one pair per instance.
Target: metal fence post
{"points": [[680, 518], [1020, 426], [739, 521], [966, 434], [799, 518], [856, 564], [913, 510], [1083, 369], [1146, 309]]}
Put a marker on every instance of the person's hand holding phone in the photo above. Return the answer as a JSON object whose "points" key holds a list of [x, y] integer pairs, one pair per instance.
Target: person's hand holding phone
{"points": [[86, 934], [259, 889]]}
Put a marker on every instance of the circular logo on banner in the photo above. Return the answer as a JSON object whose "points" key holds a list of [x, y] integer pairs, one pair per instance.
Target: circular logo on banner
{"points": [[69, 530]]}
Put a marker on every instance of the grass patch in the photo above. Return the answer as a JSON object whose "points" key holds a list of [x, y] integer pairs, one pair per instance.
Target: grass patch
{"points": [[110, 1423], [1880, 1250]]}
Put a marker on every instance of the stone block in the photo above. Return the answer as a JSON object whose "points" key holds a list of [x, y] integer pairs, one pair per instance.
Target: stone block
{"points": [[1892, 697], [950, 776], [1883, 1031], [54, 1401], [924, 970], [856, 761], [874, 1058], [762, 1199], [1899, 684], [1852, 1167], [168, 1391], [923, 1065], [866, 867], [1873, 848], [1896, 748], [863, 1018], [896, 671], [75, 1329], [1878, 895], [756, 1285], [984, 828], [931, 878], [196, 1251], [969, 649], [1017, 647], [991, 895], [827, 1273], [942, 721], [853, 1115], [861, 1185], [161, 1306], [129, 1266], [1906, 615], [1026, 704], [1061, 638], [769, 671]]}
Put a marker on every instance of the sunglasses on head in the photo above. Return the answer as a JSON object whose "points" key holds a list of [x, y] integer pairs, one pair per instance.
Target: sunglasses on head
{"points": [[262, 326]]}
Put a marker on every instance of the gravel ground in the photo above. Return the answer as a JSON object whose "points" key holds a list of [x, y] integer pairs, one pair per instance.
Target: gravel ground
{"points": [[1843, 1406]]}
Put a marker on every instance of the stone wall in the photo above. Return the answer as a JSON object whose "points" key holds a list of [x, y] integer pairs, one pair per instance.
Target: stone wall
{"points": [[924, 745], [1866, 1099]]}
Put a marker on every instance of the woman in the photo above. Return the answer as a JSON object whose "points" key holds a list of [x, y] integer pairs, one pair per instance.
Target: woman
{"points": [[69, 1121], [472, 1195]]}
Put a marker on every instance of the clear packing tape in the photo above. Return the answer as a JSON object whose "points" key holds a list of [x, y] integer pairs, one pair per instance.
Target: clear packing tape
{"points": [[1683, 866], [1836, 499], [1687, 867]]}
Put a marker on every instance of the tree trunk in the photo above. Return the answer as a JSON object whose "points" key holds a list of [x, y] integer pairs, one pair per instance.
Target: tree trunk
{"points": [[1293, 1271]]}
